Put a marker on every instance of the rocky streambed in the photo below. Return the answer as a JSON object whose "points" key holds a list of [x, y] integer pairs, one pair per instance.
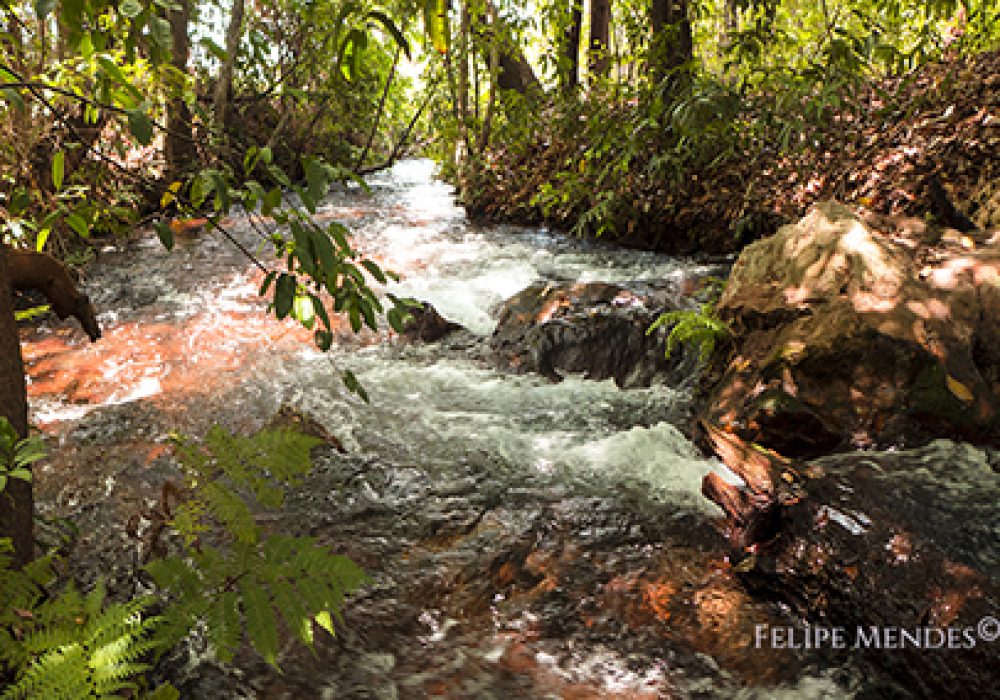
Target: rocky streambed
{"points": [[525, 495]]}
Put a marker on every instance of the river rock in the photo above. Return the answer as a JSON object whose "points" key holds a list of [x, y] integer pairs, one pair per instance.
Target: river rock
{"points": [[426, 324], [595, 328], [843, 336]]}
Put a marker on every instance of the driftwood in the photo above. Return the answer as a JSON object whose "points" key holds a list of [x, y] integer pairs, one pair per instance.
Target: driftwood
{"points": [[30, 270], [845, 547]]}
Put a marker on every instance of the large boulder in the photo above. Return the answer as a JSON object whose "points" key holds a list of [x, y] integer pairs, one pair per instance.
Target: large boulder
{"points": [[844, 336], [595, 328]]}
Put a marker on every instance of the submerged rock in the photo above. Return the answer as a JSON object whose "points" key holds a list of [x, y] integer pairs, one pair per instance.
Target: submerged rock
{"points": [[846, 336], [594, 327]]}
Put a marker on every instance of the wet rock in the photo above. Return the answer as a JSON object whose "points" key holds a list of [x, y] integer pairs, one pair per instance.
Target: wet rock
{"points": [[427, 325], [844, 335], [595, 328], [841, 553]]}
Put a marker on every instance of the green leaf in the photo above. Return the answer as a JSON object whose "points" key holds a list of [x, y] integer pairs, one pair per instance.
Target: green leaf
{"points": [[268, 279], [315, 178], [78, 224], [278, 174], [223, 200], [326, 254], [164, 691], [393, 30], [339, 233], [165, 234], [202, 186], [296, 618], [375, 271], [304, 311], [42, 238], [58, 169], [272, 200], [303, 249], [324, 339], [262, 627], [350, 53], [284, 295], [29, 451], [14, 97], [159, 31], [217, 51], [354, 314], [320, 310], [140, 126], [130, 8], [354, 386], [307, 199], [112, 70], [436, 23]]}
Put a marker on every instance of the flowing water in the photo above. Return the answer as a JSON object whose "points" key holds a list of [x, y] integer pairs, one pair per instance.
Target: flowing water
{"points": [[526, 539]]}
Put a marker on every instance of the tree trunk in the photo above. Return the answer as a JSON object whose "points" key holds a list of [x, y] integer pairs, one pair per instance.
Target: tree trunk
{"points": [[463, 67], [16, 504], [515, 73], [22, 270], [179, 151], [600, 33], [224, 87], [569, 53], [671, 46], [495, 82]]}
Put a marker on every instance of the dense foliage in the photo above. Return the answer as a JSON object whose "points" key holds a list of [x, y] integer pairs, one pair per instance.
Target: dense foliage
{"points": [[643, 147]]}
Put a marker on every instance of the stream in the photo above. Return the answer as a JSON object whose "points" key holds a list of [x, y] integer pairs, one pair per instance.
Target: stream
{"points": [[526, 539]]}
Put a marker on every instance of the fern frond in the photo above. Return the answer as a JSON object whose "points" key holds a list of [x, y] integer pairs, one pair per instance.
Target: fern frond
{"points": [[224, 629], [60, 674], [701, 328], [231, 512], [298, 620], [260, 621]]}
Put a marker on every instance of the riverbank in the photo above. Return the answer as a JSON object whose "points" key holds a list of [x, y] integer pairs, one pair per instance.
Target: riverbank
{"points": [[920, 145]]}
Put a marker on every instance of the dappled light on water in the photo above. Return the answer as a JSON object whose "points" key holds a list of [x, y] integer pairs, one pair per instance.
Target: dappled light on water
{"points": [[175, 359]]}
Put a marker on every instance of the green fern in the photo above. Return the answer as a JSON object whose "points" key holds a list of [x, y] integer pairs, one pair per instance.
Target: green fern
{"points": [[702, 328], [80, 647], [241, 591], [68, 645], [242, 586], [222, 465]]}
